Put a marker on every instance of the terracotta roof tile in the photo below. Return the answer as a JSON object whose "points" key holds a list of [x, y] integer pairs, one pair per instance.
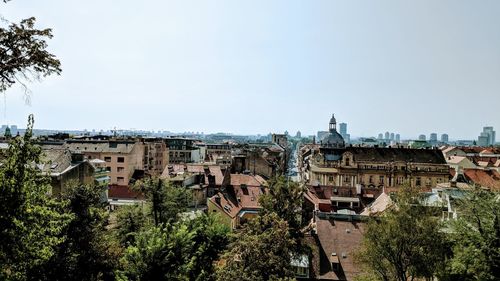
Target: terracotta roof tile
{"points": [[485, 178], [340, 237]]}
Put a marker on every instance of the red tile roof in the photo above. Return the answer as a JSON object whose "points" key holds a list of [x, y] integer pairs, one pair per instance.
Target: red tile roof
{"points": [[485, 178], [340, 237], [237, 199], [123, 192], [249, 180]]}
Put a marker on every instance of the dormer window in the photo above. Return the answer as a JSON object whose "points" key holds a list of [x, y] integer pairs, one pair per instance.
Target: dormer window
{"points": [[347, 161]]}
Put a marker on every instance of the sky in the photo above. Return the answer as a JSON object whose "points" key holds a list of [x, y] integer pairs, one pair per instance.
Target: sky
{"points": [[260, 66]]}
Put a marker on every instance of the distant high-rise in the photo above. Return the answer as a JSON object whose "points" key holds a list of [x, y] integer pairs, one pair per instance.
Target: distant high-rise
{"points": [[433, 137], [380, 136], [298, 135], [422, 137], [444, 138], [392, 136], [13, 130], [387, 135], [343, 132], [343, 129], [398, 138], [487, 137]]}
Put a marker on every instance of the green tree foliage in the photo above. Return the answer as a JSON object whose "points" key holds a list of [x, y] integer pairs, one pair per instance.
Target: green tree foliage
{"points": [[210, 239], [24, 55], [160, 253], [31, 223], [167, 201], [87, 253], [185, 250], [404, 244], [130, 220], [261, 251], [476, 238], [285, 199]]}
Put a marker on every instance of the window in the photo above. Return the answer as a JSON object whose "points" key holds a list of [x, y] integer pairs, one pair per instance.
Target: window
{"points": [[108, 169], [121, 159], [120, 169], [346, 178], [428, 182], [120, 180], [330, 178], [418, 181], [381, 179], [370, 179], [107, 159], [399, 180], [347, 162]]}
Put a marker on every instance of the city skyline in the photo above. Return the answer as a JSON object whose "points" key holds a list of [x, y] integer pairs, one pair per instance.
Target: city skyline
{"points": [[263, 67]]}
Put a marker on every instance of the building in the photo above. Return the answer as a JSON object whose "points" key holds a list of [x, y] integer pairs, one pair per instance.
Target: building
{"points": [[156, 156], [298, 135], [280, 139], [264, 159], [380, 136], [65, 168], [343, 129], [321, 135], [336, 238], [369, 170], [433, 138], [239, 200], [216, 151], [182, 150], [444, 138], [387, 136], [333, 139], [487, 137], [122, 156], [398, 138], [13, 130], [421, 137]]}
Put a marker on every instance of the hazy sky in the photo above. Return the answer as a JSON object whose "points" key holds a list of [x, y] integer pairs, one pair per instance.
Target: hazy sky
{"points": [[267, 66]]}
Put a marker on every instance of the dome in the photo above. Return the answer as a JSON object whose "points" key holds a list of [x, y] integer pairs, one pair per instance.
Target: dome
{"points": [[333, 120], [333, 140]]}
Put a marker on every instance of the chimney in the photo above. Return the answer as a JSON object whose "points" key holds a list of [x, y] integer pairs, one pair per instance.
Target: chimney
{"points": [[217, 199]]}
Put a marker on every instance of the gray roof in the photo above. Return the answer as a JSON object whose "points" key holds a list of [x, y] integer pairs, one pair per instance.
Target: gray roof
{"points": [[378, 154], [333, 139], [55, 160], [100, 146]]}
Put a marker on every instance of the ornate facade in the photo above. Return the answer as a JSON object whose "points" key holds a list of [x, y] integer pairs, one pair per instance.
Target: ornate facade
{"points": [[369, 168]]}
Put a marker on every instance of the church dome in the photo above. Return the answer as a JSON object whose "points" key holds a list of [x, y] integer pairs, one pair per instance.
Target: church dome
{"points": [[333, 139]]}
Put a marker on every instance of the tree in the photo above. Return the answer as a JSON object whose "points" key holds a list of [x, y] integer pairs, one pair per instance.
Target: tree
{"points": [[87, 253], [475, 236], [404, 244], [24, 55], [167, 202], [160, 253], [285, 199], [31, 223], [130, 220], [261, 251], [185, 250], [210, 240]]}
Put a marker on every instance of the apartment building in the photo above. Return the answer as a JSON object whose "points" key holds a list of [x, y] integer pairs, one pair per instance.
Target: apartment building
{"points": [[122, 157]]}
